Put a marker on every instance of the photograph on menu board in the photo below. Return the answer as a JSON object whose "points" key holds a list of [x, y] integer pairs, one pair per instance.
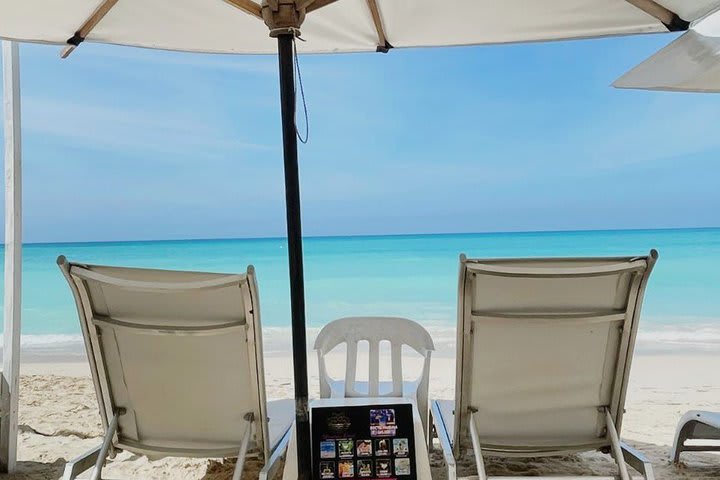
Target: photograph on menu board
{"points": [[364, 448], [382, 447], [382, 422], [365, 468], [402, 466], [327, 449], [400, 447], [345, 448], [383, 469], [327, 470], [346, 469]]}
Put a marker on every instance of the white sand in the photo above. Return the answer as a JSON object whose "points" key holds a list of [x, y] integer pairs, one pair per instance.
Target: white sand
{"points": [[59, 420]]}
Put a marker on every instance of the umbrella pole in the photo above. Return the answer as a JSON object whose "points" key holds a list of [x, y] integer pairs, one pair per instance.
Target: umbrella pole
{"points": [[295, 255], [10, 376]]}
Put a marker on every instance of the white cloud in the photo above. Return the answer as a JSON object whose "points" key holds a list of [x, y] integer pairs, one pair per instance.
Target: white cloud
{"points": [[256, 64], [669, 128], [115, 127]]}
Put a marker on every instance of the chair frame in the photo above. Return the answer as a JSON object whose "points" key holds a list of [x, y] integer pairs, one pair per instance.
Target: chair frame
{"points": [[96, 457], [686, 431], [464, 424]]}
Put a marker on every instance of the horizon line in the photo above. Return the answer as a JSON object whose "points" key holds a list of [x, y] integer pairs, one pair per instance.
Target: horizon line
{"points": [[374, 235]]}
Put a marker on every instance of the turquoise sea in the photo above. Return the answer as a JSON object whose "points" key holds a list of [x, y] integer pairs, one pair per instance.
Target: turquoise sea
{"points": [[410, 275]]}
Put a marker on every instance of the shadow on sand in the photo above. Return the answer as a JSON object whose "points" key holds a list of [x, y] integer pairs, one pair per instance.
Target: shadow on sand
{"points": [[694, 466], [37, 471], [223, 469]]}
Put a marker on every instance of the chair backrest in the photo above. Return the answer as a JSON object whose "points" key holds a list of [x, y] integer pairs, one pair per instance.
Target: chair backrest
{"points": [[352, 330], [544, 347], [180, 352]]}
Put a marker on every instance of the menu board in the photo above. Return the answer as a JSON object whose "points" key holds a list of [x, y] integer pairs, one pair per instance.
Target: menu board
{"points": [[363, 442]]}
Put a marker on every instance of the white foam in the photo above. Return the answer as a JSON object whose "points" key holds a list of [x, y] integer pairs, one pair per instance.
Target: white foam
{"points": [[52, 344], [652, 338], [679, 338]]}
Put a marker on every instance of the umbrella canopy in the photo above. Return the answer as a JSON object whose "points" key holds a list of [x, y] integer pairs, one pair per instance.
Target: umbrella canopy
{"points": [[689, 64], [235, 26]]}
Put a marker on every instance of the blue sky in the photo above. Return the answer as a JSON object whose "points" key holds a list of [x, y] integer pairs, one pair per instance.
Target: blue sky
{"points": [[123, 143]]}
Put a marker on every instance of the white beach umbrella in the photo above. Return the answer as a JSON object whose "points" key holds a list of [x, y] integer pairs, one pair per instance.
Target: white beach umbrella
{"points": [[689, 64], [236, 26], [241, 26]]}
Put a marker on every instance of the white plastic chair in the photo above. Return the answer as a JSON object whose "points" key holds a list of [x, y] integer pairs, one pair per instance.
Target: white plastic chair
{"points": [[399, 332]]}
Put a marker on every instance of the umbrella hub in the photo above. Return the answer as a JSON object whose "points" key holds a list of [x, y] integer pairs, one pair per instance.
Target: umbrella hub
{"points": [[283, 16]]}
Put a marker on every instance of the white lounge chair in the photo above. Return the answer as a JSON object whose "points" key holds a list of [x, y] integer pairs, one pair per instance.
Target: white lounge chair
{"points": [[543, 358], [696, 425], [397, 331], [176, 358]]}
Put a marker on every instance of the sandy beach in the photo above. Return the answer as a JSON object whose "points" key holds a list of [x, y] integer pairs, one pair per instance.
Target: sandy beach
{"points": [[59, 420]]}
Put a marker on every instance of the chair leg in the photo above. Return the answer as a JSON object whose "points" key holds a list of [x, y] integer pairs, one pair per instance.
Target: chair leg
{"points": [[429, 432], [479, 462], [683, 433], [444, 438], [273, 462], [240, 464], [102, 453], [616, 447]]}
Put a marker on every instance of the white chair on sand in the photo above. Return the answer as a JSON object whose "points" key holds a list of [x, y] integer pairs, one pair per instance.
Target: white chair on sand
{"points": [[176, 358], [696, 425], [543, 359], [397, 331]]}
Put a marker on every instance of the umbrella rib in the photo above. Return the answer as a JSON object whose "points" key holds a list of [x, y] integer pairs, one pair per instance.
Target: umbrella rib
{"points": [[87, 27], [670, 19], [383, 44], [247, 6], [312, 5]]}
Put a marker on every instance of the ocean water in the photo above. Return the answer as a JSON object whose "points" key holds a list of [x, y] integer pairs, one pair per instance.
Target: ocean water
{"points": [[412, 275]]}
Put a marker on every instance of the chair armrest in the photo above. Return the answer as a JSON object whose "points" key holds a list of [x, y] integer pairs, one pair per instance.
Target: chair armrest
{"points": [[444, 437], [80, 464], [638, 461], [273, 462]]}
